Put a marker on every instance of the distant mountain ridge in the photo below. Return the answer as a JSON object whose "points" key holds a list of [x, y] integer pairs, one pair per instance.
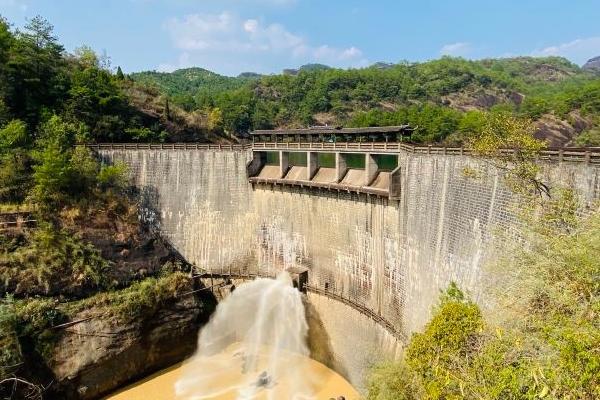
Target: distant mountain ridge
{"points": [[306, 67], [441, 96]]}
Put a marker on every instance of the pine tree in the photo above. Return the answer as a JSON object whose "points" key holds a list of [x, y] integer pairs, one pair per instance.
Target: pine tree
{"points": [[120, 75]]}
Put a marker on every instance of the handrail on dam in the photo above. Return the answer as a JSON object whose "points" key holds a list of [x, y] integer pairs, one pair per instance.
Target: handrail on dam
{"points": [[589, 155], [361, 309], [575, 154], [168, 146]]}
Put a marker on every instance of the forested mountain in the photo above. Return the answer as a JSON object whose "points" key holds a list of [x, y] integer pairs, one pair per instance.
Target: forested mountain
{"points": [[183, 84], [444, 97]]}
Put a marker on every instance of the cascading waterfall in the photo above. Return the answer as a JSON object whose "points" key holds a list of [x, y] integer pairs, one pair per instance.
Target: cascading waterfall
{"points": [[253, 347]]}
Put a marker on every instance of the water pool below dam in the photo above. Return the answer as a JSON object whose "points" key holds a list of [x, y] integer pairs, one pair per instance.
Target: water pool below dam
{"points": [[374, 263]]}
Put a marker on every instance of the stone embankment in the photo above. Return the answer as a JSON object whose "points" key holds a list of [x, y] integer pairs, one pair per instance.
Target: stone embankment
{"points": [[101, 353]]}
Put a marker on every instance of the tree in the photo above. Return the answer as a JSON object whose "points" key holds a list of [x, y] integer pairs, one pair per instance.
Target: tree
{"points": [[15, 175], [59, 132], [87, 57], [13, 135], [52, 176], [85, 169], [120, 75], [36, 71], [6, 39], [97, 100], [508, 143], [215, 119]]}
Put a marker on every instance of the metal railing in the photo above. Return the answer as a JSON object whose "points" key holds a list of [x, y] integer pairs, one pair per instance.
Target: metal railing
{"points": [[587, 155], [567, 154], [380, 320], [361, 308], [169, 146]]}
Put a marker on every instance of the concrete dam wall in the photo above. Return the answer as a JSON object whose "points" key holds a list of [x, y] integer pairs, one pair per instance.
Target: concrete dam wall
{"points": [[389, 257]]}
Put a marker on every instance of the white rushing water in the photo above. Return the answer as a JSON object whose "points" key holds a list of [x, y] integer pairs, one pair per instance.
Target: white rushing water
{"points": [[252, 346]]}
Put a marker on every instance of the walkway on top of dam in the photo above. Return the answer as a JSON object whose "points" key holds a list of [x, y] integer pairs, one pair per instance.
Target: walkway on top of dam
{"points": [[370, 168], [590, 155]]}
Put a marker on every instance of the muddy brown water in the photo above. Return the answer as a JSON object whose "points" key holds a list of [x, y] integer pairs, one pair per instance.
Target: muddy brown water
{"points": [[161, 386]]}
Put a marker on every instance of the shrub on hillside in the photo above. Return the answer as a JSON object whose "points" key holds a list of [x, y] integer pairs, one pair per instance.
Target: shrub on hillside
{"points": [[544, 342]]}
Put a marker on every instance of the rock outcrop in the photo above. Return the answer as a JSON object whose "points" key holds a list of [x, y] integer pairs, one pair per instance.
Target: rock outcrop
{"points": [[593, 64], [102, 353]]}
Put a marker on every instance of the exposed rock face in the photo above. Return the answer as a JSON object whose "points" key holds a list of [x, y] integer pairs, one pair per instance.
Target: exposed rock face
{"points": [[560, 133], [474, 98], [100, 355], [593, 64]]}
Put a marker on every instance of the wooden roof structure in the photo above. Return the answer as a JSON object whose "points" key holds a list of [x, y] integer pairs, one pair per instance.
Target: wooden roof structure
{"points": [[337, 130]]}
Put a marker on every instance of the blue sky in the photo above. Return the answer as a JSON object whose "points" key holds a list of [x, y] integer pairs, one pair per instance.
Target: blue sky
{"points": [[233, 36]]}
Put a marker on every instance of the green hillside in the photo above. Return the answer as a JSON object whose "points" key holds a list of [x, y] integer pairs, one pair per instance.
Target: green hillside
{"points": [[444, 97], [182, 84]]}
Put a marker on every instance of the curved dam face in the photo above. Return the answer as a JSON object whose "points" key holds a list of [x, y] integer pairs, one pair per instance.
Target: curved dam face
{"points": [[376, 266]]}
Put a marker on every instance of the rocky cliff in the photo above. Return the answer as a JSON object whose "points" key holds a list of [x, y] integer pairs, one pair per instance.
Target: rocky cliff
{"points": [[103, 353], [93, 302], [592, 64]]}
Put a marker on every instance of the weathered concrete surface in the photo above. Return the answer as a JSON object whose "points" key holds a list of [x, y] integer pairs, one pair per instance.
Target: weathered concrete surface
{"points": [[381, 181], [296, 173], [354, 341], [270, 172], [354, 177], [392, 257], [325, 175]]}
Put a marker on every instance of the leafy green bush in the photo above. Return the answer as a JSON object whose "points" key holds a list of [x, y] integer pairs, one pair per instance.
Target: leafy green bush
{"points": [[51, 262], [142, 298], [145, 135], [544, 343], [445, 345], [13, 135], [113, 176], [590, 138]]}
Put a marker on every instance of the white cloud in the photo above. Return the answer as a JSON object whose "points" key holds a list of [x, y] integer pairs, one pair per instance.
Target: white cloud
{"points": [[230, 44], [578, 50], [459, 49]]}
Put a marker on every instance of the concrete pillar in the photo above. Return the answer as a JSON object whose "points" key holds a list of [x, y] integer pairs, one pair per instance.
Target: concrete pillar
{"points": [[340, 166], [370, 168], [284, 163], [253, 168], [311, 165]]}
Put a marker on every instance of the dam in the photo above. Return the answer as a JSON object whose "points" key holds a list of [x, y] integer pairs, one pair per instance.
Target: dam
{"points": [[380, 237]]}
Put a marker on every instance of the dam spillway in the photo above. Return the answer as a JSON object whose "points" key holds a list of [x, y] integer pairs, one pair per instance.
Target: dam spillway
{"points": [[388, 256]]}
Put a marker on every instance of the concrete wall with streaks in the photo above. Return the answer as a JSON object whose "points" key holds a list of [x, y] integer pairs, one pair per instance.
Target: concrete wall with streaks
{"points": [[392, 257]]}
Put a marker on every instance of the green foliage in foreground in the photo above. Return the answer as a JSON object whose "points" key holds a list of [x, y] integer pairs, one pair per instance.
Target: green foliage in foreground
{"points": [[141, 299], [543, 343], [51, 262]]}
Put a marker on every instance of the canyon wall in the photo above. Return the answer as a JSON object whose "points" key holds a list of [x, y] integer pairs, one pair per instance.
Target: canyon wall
{"points": [[390, 257]]}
